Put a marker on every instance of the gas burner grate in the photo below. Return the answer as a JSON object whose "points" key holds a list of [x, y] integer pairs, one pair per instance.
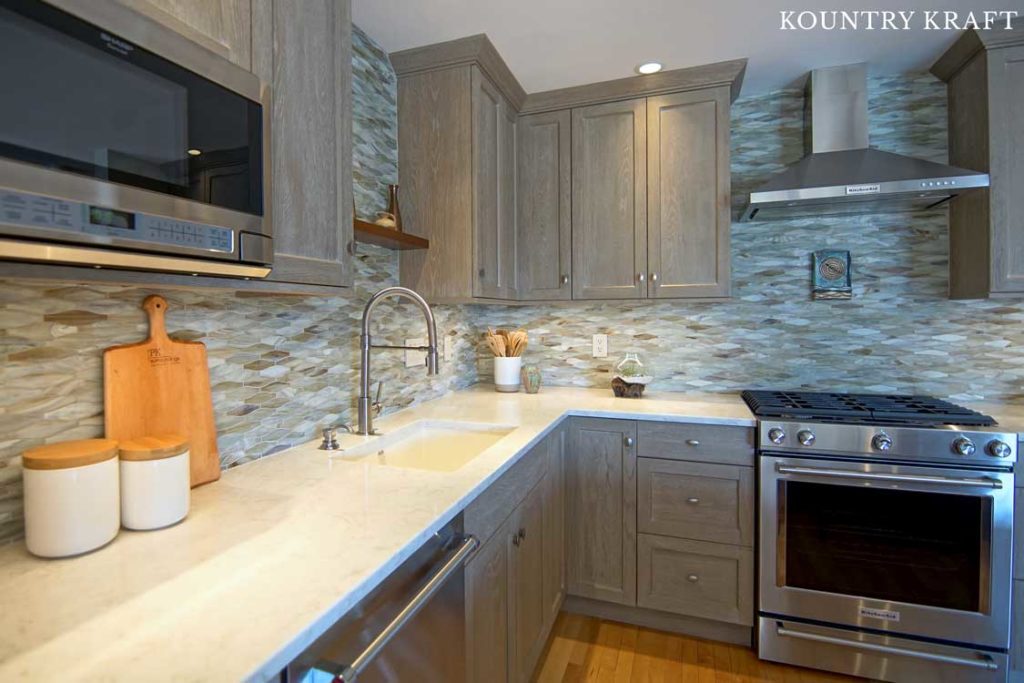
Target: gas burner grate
{"points": [[862, 408]]}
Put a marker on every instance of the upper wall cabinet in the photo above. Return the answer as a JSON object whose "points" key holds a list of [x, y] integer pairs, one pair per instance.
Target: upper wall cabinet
{"points": [[303, 48], [688, 191], [544, 206], [457, 112], [609, 200], [222, 26], [985, 73]]}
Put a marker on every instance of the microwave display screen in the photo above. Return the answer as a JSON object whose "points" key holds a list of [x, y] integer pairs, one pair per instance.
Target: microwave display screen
{"points": [[111, 218], [81, 100]]}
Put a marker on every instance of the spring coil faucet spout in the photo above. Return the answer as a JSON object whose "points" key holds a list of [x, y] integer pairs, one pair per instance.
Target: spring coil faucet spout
{"points": [[365, 344]]}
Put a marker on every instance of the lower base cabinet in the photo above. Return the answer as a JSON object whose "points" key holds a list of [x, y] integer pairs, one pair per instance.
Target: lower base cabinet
{"points": [[1017, 634], [515, 582]]}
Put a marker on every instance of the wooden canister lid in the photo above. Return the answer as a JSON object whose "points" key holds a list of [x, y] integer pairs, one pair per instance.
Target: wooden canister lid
{"points": [[154, 447], [67, 454]]}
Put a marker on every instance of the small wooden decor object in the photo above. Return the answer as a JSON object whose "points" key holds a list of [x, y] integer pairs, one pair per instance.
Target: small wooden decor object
{"points": [[162, 386]]}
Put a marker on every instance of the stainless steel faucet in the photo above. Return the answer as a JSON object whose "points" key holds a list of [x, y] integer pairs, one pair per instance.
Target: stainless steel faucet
{"points": [[365, 344]]}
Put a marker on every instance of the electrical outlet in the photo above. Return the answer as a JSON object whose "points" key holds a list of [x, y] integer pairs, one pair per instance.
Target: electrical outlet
{"points": [[449, 347], [600, 346], [414, 359]]}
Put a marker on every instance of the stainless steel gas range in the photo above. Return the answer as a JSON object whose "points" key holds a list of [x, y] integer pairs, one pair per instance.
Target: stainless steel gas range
{"points": [[885, 537]]}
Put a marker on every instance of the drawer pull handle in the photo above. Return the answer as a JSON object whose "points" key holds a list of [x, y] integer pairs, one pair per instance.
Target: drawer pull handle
{"points": [[692, 442], [693, 501], [693, 578]]}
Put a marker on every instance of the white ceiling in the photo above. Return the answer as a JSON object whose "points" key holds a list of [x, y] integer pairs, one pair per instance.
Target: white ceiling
{"points": [[558, 43]]}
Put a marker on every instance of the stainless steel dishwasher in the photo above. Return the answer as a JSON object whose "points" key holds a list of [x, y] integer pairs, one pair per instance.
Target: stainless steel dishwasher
{"points": [[410, 628]]}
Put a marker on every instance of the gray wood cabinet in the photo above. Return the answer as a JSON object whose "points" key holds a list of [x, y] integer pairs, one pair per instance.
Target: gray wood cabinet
{"points": [[699, 501], [1017, 634], [494, 130], [544, 206], [985, 73], [609, 200], [303, 48], [600, 473], [222, 26], [688, 194], [695, 578], [514, 582], [456, 133], [487, 609]]}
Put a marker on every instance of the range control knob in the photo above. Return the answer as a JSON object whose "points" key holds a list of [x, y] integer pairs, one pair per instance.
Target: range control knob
{"points": [[964, 446], [999, 449], [776, 435], [881, 442], [805, 437]]}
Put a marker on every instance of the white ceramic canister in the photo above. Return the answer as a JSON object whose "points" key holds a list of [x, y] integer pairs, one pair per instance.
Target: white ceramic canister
{"points": [[506, 373], [155, 489], [72, 501]]}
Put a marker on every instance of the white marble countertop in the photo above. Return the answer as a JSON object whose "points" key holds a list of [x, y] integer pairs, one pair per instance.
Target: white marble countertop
{"points": [[274, 552]]}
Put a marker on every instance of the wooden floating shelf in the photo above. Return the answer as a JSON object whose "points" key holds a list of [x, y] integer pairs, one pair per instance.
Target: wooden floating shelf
{"points": [[389, 238]]}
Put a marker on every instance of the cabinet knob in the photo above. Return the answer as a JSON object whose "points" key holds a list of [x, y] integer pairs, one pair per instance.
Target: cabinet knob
{"points": [[693, 501], [692, 442], [693, 578], [641, 277], [654, 277], [629, 442], [565, 279]]}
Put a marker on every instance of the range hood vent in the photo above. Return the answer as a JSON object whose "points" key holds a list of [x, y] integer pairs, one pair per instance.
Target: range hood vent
{"points": [[841, 175]]}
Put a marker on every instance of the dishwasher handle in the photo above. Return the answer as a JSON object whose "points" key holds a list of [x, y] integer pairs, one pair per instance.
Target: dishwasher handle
{"points": [[349, 673]]}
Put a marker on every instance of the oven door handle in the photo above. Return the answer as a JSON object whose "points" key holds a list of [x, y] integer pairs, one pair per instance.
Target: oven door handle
{"points": [[986, 482], [982, 662]]}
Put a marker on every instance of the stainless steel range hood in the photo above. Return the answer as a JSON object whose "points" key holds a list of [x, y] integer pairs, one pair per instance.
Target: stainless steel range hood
{"points": [[841, 175]]}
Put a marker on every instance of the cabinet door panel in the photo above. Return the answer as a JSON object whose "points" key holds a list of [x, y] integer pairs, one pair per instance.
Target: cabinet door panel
{"points": [[544, 214], [554, 528], [609, 201], [487, 613], [688, 194], [1006, 115], [525, 593], [601, 510], [304, 48], [493, 190], [222, 26]]}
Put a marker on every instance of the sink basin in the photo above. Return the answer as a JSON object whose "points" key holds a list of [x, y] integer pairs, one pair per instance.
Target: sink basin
{"points": [[437, 445]]}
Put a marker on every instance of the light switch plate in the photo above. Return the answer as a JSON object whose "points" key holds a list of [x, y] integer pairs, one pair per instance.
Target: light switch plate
{"points": [[414, 359], [600, 346]]}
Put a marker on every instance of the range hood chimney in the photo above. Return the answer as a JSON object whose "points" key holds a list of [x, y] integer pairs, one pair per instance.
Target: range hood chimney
{"points": [[840, 174]]}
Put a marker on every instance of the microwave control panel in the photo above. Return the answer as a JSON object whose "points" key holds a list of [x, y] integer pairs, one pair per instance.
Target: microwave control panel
{"points": [[37, 211]]}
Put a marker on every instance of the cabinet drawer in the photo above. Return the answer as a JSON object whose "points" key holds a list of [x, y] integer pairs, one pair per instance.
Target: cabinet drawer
{"points": [[698, 579], [696, 500], [696, 442], [485, 514]]}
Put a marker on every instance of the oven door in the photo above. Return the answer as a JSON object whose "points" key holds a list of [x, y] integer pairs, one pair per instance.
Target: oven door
{"points": [[913, 550]]}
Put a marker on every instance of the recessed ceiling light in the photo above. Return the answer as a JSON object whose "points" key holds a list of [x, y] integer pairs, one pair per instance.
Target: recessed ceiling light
{"points": [[649, 68], [194, 152]]}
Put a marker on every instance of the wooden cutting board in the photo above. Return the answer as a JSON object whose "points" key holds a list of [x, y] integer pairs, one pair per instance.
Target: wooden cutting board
{"points": [[161, 386]]}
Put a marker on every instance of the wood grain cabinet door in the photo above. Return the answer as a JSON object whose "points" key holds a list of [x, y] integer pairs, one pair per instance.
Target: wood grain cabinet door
{"points": [[600, 469], [526, 585], [694, 500], [609, 201], [304, 49], [1006, 121], [222, 26], [487, 610], [494, 128], [554, 527], [688, 213], [544, 206]]}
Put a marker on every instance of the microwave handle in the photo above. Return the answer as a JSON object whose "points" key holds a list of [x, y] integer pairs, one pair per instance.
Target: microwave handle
{"points": [[986, 482], [982, 662], [351, 672]]}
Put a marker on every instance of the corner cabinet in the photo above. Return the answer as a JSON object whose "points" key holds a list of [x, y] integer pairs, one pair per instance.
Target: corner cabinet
{"points": [[303, 48], [985, 75]]}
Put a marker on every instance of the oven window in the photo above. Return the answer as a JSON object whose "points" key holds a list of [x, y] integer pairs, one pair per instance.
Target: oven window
{"points": [[80, 100], [905, 546]]}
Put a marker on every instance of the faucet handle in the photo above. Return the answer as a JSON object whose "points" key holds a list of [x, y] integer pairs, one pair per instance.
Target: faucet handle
{"points": [[330, 437], [377, 405]]}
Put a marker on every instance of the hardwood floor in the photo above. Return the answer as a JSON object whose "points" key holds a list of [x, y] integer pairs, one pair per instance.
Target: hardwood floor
{"points": [[588, 649]]}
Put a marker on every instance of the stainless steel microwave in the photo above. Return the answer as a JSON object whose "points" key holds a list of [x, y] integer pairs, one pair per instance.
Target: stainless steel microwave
{"points": [[125, 145]]}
